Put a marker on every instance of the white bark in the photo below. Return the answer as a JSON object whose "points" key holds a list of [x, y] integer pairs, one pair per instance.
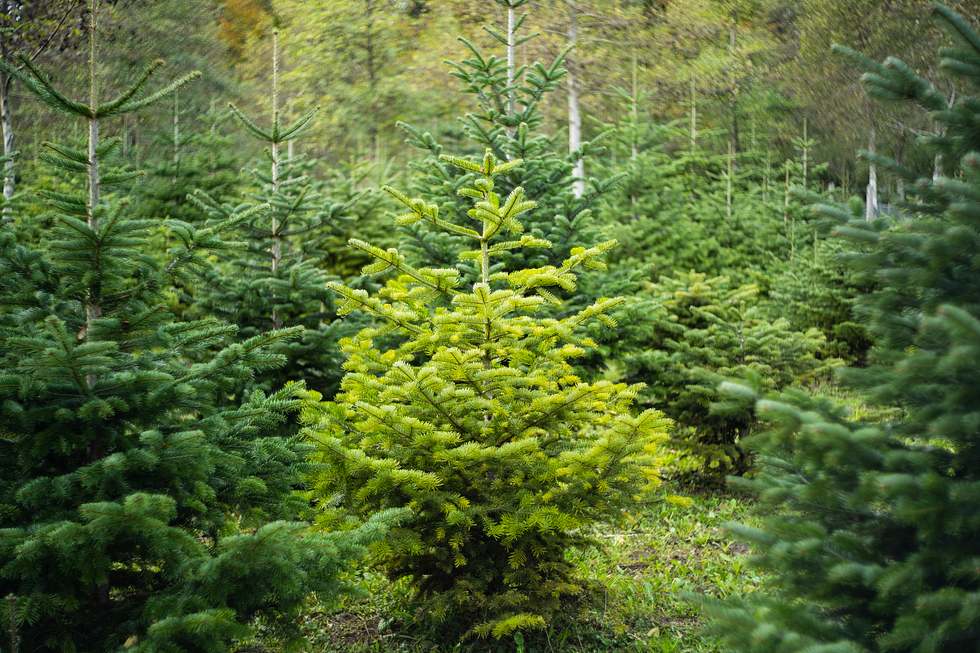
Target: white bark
{"points": [[574, 111], [7, 128], [93, 303], [93, 309], [871, 208]]}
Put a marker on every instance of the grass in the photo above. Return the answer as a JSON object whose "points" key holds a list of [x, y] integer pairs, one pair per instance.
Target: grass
{"points": [[641, 574]]}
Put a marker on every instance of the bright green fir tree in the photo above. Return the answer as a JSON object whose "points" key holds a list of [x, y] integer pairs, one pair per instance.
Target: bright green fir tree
{"points": [[140, 499], [872, 542], [464, 406]]}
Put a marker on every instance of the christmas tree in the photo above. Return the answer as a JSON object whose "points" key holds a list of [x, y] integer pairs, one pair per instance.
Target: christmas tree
{"points": [[280, 279], [463, 405], [202, 159], [872, 535], [686, 334], [141, 498], [508, 122]]}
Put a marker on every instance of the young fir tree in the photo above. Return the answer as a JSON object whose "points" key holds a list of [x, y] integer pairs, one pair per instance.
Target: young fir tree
{"points": [[136, 490], [817, 289], [194, 155], [871, 538], [507, 122], [280, 279], [681, 209], [463, 405], [685, 334]]}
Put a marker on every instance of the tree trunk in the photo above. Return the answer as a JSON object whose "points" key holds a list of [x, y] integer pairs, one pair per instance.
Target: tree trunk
{"points": [[374, 132], [790, 227], [276, 246], [786, 197], [806, 154], [730, 181], [93, 308], [937, 164], [511, 62], [733, 106], [635, 112], [7, 128], [574, 111], [694, 113], [634, 135], [176, 136], [872, 210], [767, 176]]}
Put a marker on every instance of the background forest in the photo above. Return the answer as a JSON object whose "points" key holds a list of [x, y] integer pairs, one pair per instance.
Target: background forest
{"points": [[510, 325]]}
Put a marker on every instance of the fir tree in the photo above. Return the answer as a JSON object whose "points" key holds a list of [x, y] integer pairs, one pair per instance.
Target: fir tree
{"points": [[818, 289], [195, 156], [872, 535], [280, 279], [141, 499], [686, 334], [508, 122], [463, 405]]}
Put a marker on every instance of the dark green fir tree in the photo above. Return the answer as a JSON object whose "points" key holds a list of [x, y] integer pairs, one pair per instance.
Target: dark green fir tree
{"points": [[871, 538], [685, 334], [280, 278], [508, 122], [141, 500], [193, 155]]}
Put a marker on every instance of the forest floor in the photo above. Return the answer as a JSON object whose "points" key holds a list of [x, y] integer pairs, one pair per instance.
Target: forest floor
{"points": [[642, 573]]}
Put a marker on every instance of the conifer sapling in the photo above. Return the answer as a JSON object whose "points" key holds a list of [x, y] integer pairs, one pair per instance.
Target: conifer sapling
{"points": [[463, 405]]}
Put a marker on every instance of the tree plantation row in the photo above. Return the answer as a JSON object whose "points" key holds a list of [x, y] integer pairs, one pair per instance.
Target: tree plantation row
{"points": [[500, 389]]}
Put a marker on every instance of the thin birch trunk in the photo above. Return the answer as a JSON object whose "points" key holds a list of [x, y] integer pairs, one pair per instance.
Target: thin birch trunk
{"points": [[7, 127], [93, 308], [574, 111], [872, 209]]}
